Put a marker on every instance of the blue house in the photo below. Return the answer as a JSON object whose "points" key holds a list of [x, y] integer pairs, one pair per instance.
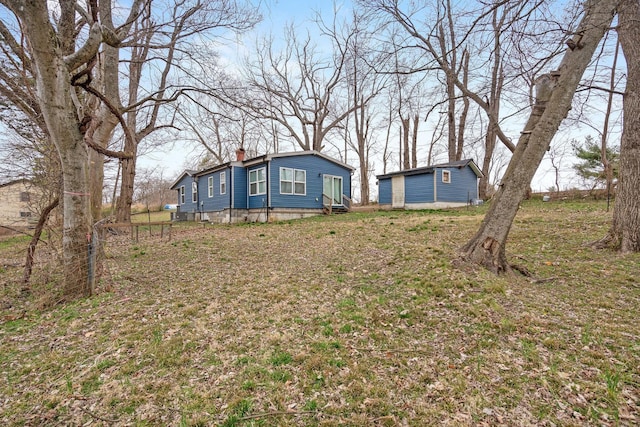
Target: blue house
{"points": [[439, 186], [272, 187]]}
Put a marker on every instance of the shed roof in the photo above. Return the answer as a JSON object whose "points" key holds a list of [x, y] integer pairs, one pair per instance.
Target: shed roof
{"points": [[431, 169]]}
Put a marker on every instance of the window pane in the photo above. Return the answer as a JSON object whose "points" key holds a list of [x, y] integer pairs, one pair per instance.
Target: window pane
{"points": [[260, 174], [252, 176], [253, 188], [337, 190], [286, 174], [300, 175], [262, 187], [286, 187], [300, 188]]}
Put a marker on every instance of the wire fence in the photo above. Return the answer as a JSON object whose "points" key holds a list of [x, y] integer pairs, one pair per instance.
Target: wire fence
{"points": [[46, 282]]}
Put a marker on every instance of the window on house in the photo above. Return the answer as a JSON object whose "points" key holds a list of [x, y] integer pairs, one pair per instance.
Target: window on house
{"points": [[293, 181], [194, 192], [446, 177], [223, 183], [257, 182], [25, 214], [210, 186], [24, 196], [300, 182], [182, 195], [286, 181]]}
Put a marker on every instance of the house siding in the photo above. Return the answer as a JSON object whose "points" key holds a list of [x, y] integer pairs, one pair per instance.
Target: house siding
{"points": [[259, 201], [218, 201], [14, 211], [315, 167], [239, 186], [188, 205]]}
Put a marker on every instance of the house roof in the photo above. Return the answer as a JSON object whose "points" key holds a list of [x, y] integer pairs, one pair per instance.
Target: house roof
{"points": [[268, 157], [431, 169], [188, 172], [15, 181]]}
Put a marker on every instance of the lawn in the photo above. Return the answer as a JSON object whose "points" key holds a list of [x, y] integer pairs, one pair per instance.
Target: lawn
{"points": [[358, 319]]}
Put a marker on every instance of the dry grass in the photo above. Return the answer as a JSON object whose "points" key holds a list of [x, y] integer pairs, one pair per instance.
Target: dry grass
{"points": [[358, 319]]}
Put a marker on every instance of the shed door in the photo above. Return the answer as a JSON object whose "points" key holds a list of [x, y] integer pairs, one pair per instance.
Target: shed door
{"points": [[397, 191]]}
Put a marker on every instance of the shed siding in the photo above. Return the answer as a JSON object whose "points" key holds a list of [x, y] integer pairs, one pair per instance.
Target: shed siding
{"points": [[384, 191], [419, 188], [315, 167], [463, 186]]}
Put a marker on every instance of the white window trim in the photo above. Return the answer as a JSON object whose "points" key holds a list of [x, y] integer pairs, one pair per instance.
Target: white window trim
{"points": [[182, 195], [293, 181], [257, 182], [210, 186], [223, 183], [285, 180], [297, 182], [446, 173], [194, 192]]}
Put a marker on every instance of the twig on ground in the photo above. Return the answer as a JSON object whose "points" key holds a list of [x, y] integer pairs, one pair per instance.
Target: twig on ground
{"points": [[98, 417], [274, 413]]}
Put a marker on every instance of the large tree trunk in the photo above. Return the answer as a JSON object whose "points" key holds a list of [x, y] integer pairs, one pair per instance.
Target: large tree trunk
{"points": [[624, 234], [554, 94], [53, 83]]}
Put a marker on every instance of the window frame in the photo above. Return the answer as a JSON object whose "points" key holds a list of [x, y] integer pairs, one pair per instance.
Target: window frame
{"points": [[223, 182], [447, 173], [182, 195], [194, 192], [210, 191], [258, 181], [293, 181]]}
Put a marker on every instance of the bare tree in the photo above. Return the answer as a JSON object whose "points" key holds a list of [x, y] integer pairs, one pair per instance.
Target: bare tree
{"points": [[61, 61], [467, 47], [167, 45], [624, 234], [218, 129], [554, 94], [296, 87]]}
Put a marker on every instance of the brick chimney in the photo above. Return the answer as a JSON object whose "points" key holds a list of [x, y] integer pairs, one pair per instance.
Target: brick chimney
{"points": [[240, 154]]}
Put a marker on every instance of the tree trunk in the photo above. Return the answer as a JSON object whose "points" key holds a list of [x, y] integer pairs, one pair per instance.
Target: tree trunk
{"points": [[624, 234], [462, 122], [554, 94], [451, 116], [406, 161], [53, 85], [125, 200], [414, 142]]}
